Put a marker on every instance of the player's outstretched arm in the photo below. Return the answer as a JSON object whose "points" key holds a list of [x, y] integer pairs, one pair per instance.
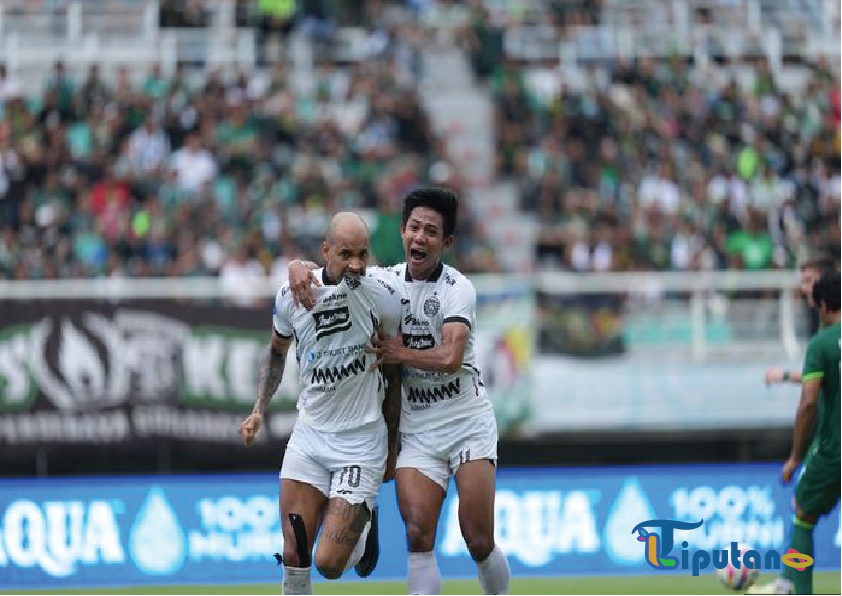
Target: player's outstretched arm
{"points": [[271, 373], [779, 375], [301, 281], [805, 419]]}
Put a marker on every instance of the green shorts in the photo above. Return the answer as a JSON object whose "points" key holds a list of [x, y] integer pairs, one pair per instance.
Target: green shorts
{"points": [[817, 492]]}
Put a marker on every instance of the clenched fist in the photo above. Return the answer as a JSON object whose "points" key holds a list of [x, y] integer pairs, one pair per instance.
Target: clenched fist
{"points": [[249, 428]]}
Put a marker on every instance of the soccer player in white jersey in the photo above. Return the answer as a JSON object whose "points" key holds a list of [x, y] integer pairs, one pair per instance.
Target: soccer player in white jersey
{"points": [[344, 442], [447, 421]]}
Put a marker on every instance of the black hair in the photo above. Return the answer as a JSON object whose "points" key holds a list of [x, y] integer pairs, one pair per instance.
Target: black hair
{"points": [[827, 290], [821, 264], [440, 200]]}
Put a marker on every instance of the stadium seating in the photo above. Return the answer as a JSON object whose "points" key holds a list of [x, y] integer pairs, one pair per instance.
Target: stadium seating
{"points": [[183, 138]]}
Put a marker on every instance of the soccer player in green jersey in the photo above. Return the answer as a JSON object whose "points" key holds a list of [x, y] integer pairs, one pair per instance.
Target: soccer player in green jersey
{"points": [[817, 492]]}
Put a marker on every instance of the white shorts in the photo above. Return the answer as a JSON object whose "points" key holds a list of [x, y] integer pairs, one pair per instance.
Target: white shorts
{"points": [[438, 452], [349, 464]]}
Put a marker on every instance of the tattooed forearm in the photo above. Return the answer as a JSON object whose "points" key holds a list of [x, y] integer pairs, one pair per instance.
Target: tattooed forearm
{"points": [[271, 373], [392, 403]]}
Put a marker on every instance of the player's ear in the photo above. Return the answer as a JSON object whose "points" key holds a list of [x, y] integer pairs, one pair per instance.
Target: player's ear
{"points": [[448, 242], [325, 251]]}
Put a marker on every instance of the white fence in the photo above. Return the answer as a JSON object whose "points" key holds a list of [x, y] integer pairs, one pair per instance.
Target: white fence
{"points": [[698, 315], [114, 33]]}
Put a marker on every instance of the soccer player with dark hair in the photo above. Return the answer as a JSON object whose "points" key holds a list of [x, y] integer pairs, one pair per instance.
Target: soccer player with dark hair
{"points": [[447, 420], [817, 492]]}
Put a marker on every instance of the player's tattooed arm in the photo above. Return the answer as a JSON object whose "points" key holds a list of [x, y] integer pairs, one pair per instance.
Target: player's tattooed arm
{"points": [[271, 373]]}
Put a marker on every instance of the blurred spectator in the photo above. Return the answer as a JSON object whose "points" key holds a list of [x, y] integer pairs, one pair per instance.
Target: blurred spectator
{"points": [[183, 13], [193, 165]]}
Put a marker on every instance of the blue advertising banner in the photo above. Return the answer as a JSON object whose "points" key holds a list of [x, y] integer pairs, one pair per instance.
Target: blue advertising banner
{"points": [[224, 529]]}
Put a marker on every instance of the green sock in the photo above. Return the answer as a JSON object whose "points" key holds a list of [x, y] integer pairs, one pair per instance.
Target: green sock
{"points": [[801, 540]]}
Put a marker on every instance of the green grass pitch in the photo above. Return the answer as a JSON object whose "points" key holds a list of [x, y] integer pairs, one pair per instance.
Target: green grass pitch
{"points": [[827, 582]]}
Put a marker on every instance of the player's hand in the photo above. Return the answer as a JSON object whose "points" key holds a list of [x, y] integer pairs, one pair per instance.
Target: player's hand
{"points": [[249, 428], [789, 468], [391, 464], [301, 282], [774, 375], [387, 348]]}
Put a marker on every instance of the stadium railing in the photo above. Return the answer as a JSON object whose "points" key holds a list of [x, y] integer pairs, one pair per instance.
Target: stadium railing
{"points": [[116, 33], [697, 315]]}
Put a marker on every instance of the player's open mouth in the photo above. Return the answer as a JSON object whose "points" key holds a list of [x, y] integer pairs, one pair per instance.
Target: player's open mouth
{"points": [[416, 255]]}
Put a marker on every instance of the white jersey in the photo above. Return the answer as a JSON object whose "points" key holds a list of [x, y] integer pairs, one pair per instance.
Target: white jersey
{"points": [[431, 399], [339, 391]]}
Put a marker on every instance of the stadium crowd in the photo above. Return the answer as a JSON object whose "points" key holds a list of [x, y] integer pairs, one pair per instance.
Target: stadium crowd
{"points": [[650, 165], [656, 168]]}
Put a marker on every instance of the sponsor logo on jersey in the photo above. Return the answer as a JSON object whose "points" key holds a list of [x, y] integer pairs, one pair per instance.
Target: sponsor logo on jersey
{"points": [[434, 394], [334, 297], [431, 306], [332, 321], [352, 281], [332, 374], [334, 352], [410, 320], [389, 288], [418, 342]]}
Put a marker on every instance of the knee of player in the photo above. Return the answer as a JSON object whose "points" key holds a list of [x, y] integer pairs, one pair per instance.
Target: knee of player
{"points": [[420, 539], [805, 518], [479, 543], [329, 569], [291, 557]]}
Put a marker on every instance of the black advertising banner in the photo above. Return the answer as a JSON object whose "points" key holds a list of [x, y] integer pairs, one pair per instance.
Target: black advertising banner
{"points": [[94, 372]]}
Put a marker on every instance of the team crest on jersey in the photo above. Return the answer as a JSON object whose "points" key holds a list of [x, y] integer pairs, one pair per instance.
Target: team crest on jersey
{"points": [[431, 306], [332, 321], [352, 281]]}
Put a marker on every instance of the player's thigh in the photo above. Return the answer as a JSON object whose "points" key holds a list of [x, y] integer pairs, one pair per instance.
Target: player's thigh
{"points": [[420, 500], [818, 489], [305, 485], [306, 502], [473, 459], [421, 479], [344, 522]]}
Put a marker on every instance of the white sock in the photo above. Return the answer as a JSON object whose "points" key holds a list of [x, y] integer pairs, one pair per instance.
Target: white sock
{"points": [[494, 573], [359, 548], [297, 580], [424, 576]]}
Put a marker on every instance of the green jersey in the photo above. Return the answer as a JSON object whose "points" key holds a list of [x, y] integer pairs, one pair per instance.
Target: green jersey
{"points": [[823, 362]]}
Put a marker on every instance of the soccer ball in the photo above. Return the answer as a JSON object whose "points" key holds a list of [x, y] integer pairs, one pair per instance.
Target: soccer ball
{"points": [[738, 579]]}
